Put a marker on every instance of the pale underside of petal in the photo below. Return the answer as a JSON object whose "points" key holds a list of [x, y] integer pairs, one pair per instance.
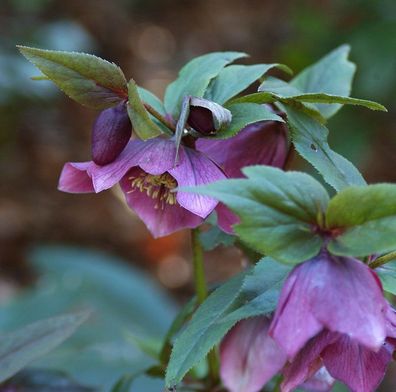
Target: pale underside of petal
{"points": [[160, 220], [74, 178], [355, 365], [263, 143], [321, 381], [194, 169], [249, 356]]}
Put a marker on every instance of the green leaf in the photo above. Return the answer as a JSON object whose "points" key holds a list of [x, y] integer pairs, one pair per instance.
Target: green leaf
{"points": [[181, 124], [366, 217], [214, 237], [89, 80], [142, 124], [203, 331], [333, 74], [260, 290], [124, 384], [195, 77], [148, 97], [235, 78], [244, 114], [278, 211], [387, 274], [19, 348], [310, 140], [38, 380], [287, 93]]}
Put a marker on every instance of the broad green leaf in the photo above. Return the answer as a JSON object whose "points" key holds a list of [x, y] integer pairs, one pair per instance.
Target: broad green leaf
{"points": [[124, 384], [214, 237], [260, 98], [366, 217], [195, 77], [279, 211], [142, 124], [287, 93], [310, 140], [333, 74], [89, 80], [39, 380], [244, 114], [203, 331], [19, 348], [235, 78], [148, 97], [260, 290], [387, 274]]}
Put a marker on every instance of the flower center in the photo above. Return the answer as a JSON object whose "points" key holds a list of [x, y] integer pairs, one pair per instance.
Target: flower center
{"points": [[158, 187]]}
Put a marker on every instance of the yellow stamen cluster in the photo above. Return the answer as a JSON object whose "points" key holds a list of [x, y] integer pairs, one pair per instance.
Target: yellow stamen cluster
{"points": [[157, 187]]}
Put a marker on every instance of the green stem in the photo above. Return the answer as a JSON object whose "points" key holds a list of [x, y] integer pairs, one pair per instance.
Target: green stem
{"points": [[160, 117], [202, 293], [383, 260]]}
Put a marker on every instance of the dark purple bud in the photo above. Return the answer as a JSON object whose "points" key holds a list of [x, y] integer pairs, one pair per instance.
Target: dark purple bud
{"points": [[110, 134], [207, 117]]}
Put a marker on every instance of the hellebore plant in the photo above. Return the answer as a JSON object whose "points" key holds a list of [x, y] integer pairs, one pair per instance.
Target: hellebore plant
{"points": [[312, 311]]}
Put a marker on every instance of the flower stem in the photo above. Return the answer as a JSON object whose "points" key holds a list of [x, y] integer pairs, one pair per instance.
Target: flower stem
{"points": [[202, 293], [378, 262], [159, 117]]}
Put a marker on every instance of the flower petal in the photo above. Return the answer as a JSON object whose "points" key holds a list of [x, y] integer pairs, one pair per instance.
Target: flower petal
{"points": [[262, 143], [226, 218], [159, 221], [307, 362], [194, 169], [249, 356], [355, 365], [74, 178], [321, 381]]}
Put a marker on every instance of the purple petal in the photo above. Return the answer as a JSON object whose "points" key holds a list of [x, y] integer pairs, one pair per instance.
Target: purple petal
{"points": [[160, 221], [338, 293], [74, 178], [390, 316], [321, 381], [262, 143], [307, 362], [355, 365], [194, 169], [293, 323], [249, 356], [226, 218]]}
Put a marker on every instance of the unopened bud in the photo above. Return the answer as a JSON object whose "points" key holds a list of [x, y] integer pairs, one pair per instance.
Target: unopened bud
{"points": [[110, 134]]}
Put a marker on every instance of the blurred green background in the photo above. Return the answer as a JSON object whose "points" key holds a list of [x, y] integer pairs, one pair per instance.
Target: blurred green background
{"points": [[40, 129]]}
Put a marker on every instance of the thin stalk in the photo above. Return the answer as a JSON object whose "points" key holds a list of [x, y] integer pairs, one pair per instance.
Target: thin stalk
{"points": [[201, 290], [160, 117], [383, 260]]}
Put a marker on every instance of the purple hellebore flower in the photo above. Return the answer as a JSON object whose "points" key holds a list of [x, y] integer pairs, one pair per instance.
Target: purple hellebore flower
{"points": [[343, 358], [261, 143], [110, 134], [148, 177], [328, 292], [249, 357]]}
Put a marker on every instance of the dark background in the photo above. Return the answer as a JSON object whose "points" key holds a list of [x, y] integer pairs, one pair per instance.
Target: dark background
{"points": [[40, 128]]}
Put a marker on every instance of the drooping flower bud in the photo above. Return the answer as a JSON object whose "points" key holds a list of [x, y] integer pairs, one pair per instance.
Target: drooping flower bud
{"points": [[207, 117], [110, 134]]}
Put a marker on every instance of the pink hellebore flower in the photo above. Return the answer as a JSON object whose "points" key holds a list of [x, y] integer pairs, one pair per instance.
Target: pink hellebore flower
{"points": [[345, 359], [330, 293], [148, 177]]}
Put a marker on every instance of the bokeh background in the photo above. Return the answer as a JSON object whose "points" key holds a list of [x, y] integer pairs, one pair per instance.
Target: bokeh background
{"points": [[44, 232]]}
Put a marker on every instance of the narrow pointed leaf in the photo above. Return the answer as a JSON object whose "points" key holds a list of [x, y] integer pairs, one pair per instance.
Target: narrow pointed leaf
{"points": [[203, 331], [235, 78], [310, 140], [148, 97], [366, 217], [278, 210], [244, 114], [181, 124], [142, 124], [89, 80], [195, 77], [333, 74], [19, 348], [387, 274]]}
